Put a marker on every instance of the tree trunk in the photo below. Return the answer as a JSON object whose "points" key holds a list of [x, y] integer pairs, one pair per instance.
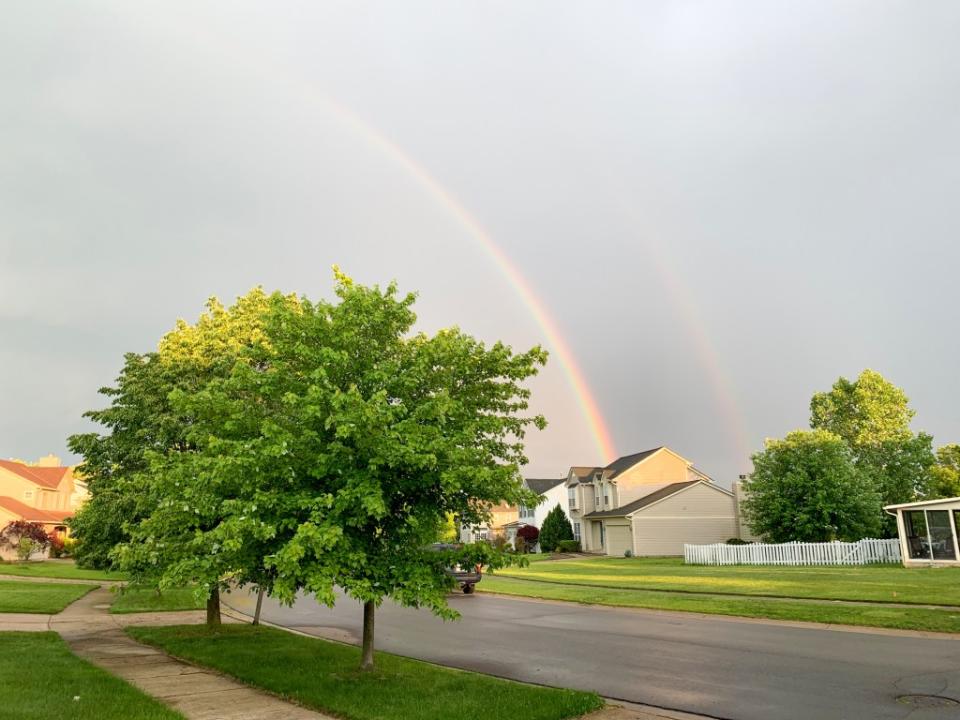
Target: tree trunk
{"points": [[256, 613], [213, 608], [366, 658]]}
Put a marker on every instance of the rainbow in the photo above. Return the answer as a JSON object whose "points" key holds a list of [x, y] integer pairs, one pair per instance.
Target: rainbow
{"points": [[589, 407], [586, 400]]}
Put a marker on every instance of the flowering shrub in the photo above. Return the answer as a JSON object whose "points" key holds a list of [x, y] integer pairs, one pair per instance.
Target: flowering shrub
{"points": [[25, 537]]}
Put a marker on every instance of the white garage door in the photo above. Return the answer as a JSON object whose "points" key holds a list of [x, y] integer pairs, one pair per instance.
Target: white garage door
{"points": [[618, 539]]}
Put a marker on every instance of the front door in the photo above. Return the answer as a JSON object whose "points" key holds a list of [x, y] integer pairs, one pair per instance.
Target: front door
{"points": [[603, 537]]}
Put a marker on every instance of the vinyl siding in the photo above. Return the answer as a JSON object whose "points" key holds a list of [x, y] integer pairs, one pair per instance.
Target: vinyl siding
{"points": [[702, 514], [660, 469]]}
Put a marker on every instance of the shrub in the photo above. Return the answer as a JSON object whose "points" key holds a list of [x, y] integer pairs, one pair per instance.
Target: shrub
{"points": [[628, 553], [738, 541], [25, 548], [25, 537], [568, 546], [57, 546], [556, 527]]}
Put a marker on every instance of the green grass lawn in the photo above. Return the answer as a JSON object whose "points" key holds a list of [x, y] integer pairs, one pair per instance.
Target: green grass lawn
{"points": [[57, 569], [877, 583], [41, 679], [136, 599], [324, 676], [878, 615], [46, 598]]}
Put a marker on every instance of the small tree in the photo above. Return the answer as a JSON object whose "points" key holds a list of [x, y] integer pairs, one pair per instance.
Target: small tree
{"points": [[807, 488], [25, 537], [556, 527], [528, 534]]}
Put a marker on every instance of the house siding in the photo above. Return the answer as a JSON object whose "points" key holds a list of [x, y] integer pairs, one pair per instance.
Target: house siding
{"points": [[661, 468], [701, 514]]}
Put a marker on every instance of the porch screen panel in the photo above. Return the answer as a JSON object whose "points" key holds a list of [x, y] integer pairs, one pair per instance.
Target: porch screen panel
{"points": [[941, 535], [918, 545]]}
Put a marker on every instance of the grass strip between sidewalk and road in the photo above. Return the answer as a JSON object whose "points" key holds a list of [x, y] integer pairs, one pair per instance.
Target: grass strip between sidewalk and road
{"points": [[66, 569], [872, 615], [43, 598], [324, 676], [40, 678], [139, 599], [862, 583]]}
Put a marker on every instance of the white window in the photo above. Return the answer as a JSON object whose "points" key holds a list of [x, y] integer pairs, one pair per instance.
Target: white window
{"points": [[572, 496], [28, 494], [606, 496], [576, 532], [479, 534]]}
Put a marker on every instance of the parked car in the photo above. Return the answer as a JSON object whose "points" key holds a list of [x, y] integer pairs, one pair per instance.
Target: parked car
{"points": [[467, 578]]}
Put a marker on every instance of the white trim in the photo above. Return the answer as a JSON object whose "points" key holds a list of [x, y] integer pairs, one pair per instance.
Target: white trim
{"points": [[921, 503]]}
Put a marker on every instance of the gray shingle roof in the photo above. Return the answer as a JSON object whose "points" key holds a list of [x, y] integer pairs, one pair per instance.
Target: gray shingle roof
{"points": [[541, 485], [628, 461], [642, 502]]}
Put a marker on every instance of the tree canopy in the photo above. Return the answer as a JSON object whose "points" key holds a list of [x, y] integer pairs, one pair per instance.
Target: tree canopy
{"points": [[807, 487], [323, 445], [873, 417], [945, 474]]}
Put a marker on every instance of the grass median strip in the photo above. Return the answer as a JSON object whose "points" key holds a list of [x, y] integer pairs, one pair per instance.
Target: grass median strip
{"points": [[878, 615], [66, 569], [44, 598], [323, 675], [138, 599], [870, 583], [40, 679]]}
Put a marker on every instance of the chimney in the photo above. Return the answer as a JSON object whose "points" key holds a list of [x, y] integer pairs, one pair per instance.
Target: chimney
{"points": [[49, 461]]}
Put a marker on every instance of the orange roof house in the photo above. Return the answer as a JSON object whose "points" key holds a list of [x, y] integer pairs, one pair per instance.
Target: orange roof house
{"points": [[45, 493]]}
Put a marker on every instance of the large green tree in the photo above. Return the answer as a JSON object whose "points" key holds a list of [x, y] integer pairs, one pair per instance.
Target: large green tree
{"points": [[132, 479], [873, 417], [332, 451], [807, 487]]}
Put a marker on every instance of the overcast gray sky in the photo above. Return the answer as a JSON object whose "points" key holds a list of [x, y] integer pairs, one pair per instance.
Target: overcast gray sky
{"points": [[723, 205]]}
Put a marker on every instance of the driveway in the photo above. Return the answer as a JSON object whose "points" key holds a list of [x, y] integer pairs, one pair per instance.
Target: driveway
{"points": [[722, 667]]}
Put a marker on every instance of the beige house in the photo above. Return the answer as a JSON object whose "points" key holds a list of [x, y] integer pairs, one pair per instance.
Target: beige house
{"points": [[503, 519], [45, 493], [650, 503]]}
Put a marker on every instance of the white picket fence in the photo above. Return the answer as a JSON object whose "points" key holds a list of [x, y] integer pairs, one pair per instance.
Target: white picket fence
{"points": [[863, 552]]}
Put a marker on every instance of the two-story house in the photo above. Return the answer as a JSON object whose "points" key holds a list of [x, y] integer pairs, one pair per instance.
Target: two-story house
{"points": [[45, 493], [650, 503]]}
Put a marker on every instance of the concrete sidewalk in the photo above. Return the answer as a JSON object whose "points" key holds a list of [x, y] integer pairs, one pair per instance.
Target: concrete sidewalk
{"points": [[96, 635]]}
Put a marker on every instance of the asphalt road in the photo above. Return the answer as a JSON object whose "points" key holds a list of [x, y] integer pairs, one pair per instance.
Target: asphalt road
{"points": [[725, 668]]}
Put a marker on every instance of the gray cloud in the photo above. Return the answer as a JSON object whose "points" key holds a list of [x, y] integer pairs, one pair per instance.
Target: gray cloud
{"points": [[725, 205]]}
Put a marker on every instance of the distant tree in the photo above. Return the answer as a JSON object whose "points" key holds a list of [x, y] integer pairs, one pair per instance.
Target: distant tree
{"points": [[807, 487], [556, 527], [873, 417], [945, 474]]}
